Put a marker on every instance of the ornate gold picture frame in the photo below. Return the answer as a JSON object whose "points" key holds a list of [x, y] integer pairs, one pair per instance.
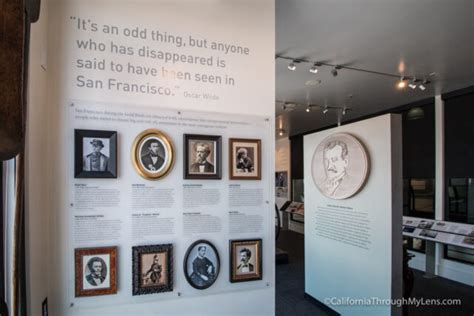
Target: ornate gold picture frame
{"points": [[153, 154]]}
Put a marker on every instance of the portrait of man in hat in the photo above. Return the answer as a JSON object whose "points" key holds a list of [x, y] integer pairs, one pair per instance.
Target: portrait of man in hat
{"points": [[96, 160]]}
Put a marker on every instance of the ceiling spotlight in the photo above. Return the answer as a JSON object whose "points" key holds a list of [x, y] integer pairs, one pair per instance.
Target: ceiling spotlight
{"points": [[308, 109], [412, 84], [292, 66], [314, 68], [325, 110], [402, 83], [422, 86], [281, 131]]}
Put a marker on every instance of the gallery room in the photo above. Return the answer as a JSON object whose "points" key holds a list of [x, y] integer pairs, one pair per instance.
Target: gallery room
{"points": [[236, 157]]}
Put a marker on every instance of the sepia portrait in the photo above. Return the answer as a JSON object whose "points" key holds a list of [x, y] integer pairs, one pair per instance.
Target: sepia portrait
{"points": [[245, 159], [152, 269], [245, 260]]}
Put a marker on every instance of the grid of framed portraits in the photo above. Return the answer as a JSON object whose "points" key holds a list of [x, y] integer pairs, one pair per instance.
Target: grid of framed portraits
{"points": [[245, 260], [152, 269], [201, 264], [95, 154], [96, 272], [153, 155], [202, 157]]}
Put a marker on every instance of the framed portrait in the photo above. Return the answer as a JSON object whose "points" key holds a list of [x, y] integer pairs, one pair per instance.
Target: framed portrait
{"points": [[152, 269], [96, 272], [245, 260], [245, 159], [340, 166], [202, 157], [281, 184], [201, 264], [95, 154], [153, 154]]}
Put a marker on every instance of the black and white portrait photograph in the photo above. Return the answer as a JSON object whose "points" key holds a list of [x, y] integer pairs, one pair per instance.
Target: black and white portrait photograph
{"points": [[153, 154], [340, 166], [95, 271], [201, 264], [245, 159], [246, 260], [281, 184], [95, 154], [202, 156], [152, 269]]}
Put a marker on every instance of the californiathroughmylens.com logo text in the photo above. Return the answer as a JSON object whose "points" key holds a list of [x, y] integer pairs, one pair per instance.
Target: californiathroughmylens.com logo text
{"points": [[367, 301]]}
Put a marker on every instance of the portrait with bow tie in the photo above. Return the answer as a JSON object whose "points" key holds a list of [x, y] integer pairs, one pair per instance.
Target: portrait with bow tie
{"points": [[203, 156], [153, 154], [246, 260]]}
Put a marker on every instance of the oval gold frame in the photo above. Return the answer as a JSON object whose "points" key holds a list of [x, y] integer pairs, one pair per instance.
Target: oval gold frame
{"points": [[136, 155]]}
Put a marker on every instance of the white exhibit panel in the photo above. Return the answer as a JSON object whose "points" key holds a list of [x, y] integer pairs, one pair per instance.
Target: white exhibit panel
{"points": [[353, 242], [132, 211], [117, 69]]}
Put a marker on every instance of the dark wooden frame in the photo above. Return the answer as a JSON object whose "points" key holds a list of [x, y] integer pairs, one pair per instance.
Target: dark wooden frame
{"points": [[185, 263], [258, 261], [232, 156], [217, 163], [79, 134], [137, 253], [79, 272]]}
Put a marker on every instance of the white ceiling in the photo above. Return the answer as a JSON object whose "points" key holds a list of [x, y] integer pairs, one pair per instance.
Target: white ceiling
{"points": [[406, 37]]}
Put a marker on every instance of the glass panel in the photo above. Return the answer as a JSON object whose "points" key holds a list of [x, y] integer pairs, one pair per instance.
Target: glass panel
{"points": [[460, 200], [298, 190], [460, 254], [418, 126], [419, 197]]}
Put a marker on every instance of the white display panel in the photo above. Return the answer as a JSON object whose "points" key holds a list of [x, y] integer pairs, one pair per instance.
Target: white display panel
{"points": [[250, 94], [131, 211], [353, 246]]}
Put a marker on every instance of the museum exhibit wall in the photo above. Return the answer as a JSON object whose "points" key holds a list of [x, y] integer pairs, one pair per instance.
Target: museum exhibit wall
{"points": [[225, 91], [353, 243]]}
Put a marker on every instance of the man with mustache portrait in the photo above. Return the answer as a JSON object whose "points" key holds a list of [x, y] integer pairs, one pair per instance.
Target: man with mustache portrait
{"points": [[336, 161]]}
